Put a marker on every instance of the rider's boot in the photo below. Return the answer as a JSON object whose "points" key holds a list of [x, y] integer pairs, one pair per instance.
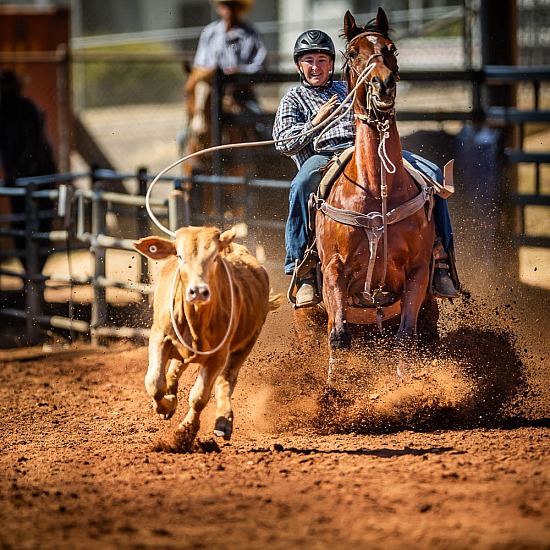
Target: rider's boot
{"points": [[443, 286], [307, 294]]}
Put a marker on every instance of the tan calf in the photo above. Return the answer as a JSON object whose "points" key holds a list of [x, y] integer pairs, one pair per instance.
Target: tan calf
{"points": [[211, 301]]}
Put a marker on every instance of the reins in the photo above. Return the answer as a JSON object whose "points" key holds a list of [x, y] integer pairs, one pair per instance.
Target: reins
{"points": [[375, 224]]}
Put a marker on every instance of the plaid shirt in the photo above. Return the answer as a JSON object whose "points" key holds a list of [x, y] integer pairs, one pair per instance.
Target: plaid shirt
{"points": [[295, 113], [241, 47]]}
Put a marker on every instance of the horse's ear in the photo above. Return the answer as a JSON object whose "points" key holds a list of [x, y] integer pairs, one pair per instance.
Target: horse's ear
{"points": [[382, 21], [350, 28]]}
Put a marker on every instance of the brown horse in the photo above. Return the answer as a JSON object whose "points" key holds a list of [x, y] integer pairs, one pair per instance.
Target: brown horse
{"points": [[198, 133], [199, 136], [374, 231]]}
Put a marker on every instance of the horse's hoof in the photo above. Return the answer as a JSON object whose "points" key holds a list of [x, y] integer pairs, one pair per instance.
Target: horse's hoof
{"points": [[166, 407], [223, 428]]}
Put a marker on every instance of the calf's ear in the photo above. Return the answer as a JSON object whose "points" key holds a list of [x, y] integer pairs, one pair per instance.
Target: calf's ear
{"points": [[226, 238], [155, 248]]}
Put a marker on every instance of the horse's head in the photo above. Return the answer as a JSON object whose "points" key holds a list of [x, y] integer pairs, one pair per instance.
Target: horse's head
{"points": [[371, 46]]}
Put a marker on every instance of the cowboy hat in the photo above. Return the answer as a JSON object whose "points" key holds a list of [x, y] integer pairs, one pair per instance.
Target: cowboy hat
{"points": [[245, 5]]}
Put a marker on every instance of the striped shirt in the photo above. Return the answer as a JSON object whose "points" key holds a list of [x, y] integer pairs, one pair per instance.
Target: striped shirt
{"points": [[240, 48], [295, 113]]}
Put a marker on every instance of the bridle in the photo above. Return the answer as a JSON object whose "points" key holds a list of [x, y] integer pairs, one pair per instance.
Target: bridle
{"points": [[375, 224], [374, 115]]}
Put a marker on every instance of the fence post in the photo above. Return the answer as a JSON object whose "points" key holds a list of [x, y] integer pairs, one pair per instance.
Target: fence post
{"points": [[33, 285], [216, 121], [99, 303], [143, 223], [178, 207]]}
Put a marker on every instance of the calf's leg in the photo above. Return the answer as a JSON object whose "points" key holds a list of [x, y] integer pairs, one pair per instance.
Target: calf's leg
{"points": [[162, 393], [225, 384], [201, 391]]}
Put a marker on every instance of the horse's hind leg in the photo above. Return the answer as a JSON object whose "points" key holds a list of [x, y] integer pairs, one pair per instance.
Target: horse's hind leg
{"points": [[406, 338], [411, 302]]}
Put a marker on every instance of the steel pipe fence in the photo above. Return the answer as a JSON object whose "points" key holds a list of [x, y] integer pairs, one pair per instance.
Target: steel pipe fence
{"points": [[81, 215]]}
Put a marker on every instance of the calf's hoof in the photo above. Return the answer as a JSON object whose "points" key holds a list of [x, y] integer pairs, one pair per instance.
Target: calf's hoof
{"points": [[166, 407], [223, 428]]}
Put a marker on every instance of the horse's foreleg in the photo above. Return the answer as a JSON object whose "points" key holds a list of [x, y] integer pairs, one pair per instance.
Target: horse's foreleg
{"points": [[413, 297], [335, 298]]}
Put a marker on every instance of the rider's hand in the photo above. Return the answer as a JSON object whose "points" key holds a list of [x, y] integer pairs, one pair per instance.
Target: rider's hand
{"points": [[325, 110]]}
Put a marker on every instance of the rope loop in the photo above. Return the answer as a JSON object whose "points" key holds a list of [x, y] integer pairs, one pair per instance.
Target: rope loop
{"points": [[173, 317]]}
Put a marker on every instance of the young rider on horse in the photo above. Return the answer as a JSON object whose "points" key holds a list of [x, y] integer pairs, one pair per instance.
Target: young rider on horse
{"points": [[306, 106], [233, 46]]}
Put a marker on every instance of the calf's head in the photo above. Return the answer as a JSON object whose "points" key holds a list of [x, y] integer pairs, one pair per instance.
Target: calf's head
{"points": [[197, 250]]}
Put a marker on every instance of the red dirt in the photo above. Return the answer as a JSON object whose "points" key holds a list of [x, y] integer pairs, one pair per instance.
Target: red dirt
{"points": [[453, 457]]}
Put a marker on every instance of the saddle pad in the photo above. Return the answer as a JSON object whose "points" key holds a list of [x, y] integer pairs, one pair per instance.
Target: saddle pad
{"points": [[337, 164], [421, 179], [333, 169]]}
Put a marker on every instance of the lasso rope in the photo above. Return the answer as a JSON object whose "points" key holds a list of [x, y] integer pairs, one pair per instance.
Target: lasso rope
{"points": [[333, 118], [173, 316]]}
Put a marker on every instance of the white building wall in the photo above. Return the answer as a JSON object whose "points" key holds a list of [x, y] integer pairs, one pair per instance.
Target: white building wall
{"points": [[297, 16]]}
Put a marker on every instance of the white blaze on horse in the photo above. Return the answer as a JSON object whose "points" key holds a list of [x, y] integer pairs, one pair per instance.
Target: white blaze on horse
{"points": [[198, 134], [211, 301]]}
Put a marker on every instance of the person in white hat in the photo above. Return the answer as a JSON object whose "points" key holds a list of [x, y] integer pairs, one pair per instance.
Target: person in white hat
{"points": [[233, 46], [231, 43]]}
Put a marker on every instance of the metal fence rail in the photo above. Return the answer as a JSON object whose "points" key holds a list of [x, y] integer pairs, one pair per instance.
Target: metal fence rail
{"points": [[82, 214]]}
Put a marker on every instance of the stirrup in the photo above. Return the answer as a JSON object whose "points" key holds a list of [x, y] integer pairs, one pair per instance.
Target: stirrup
{"points": [[307, 294], [299, 277]]}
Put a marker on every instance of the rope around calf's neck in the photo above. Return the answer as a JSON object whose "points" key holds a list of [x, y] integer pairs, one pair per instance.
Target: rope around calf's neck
{"points": [[173, 316]]}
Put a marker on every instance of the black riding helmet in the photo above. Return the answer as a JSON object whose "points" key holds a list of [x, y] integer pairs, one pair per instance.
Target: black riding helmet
{"points": [[314, 41]]}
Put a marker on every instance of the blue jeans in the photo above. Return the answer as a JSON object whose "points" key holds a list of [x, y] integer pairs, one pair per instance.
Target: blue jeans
{"points": [[442, 218], [304, 183], [308, 178]]}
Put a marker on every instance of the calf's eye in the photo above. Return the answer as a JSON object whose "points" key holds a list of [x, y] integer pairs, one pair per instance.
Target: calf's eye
{"points": [[153, 248]]}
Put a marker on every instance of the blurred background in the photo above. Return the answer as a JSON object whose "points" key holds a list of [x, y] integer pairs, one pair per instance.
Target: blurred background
{"points": [[474, 86]]}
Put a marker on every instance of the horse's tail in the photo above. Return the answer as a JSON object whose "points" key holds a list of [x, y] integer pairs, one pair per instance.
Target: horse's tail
{"points": [[275, 301]]}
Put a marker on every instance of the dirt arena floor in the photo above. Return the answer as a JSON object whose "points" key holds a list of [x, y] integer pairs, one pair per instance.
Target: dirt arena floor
{"points": [[454, 456]]}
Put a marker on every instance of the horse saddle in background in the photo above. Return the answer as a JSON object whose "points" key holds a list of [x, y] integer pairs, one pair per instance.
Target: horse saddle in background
{"points": [[337, 163]]}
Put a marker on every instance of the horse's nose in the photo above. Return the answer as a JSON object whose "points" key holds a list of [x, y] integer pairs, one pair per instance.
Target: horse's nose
{"points": [[198, 293], [384, 86]]}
